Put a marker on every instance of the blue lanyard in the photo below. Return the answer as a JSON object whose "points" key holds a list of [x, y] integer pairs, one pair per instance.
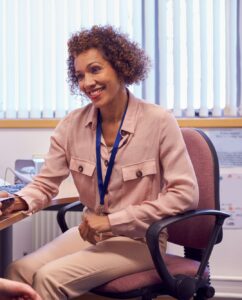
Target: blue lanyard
{"points": [[102, 186]]}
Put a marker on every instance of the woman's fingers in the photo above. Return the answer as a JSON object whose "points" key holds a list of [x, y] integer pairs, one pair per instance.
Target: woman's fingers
{"points": [[88, 234], [83, 230]]}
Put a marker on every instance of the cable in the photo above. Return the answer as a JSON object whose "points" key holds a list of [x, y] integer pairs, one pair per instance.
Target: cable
{"points": [[24, 178], [5, 175]]}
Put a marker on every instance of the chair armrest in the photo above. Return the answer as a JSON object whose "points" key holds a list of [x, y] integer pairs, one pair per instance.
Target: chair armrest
{"points": [[74, 206], [152, 237]]}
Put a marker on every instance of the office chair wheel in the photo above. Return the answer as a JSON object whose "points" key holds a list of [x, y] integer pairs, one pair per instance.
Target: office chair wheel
{"points": [[185, 287], [205, 293]]}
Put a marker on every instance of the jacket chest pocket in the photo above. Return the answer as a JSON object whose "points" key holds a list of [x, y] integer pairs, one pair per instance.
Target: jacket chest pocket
{"points": [[138, 178], [83, 173]]}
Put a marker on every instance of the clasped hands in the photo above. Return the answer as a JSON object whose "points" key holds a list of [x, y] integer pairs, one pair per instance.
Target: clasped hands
{"points": [[92, 227]]}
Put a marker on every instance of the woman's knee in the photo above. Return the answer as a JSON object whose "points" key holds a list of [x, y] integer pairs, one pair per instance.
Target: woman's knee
{"points": [[19, 271], [46, 282]]}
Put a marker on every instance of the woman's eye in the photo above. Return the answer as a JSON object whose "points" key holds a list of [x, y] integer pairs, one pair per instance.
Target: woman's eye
{"points": [[79, 77], [95, 69]]}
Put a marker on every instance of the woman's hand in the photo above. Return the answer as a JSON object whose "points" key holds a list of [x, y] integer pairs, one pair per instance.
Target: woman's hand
{"points": [[9, 208], [16, 290], [18, 204], [93, 226]]}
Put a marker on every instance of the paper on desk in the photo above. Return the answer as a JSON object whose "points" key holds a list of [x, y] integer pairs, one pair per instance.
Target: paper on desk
{"points": [[3, 182]]}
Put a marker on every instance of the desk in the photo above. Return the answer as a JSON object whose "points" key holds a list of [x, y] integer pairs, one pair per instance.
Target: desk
{"points": [[6, 223]]}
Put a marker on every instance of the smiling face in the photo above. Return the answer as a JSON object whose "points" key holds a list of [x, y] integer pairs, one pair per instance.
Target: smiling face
{"points": [[97, 79]]}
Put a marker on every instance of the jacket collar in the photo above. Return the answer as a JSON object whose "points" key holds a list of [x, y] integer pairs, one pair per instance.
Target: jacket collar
{"points": [[130, 118]]}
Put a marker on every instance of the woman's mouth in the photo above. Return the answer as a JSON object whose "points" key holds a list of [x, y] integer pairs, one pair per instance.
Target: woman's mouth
{"points": [[94, 94]]}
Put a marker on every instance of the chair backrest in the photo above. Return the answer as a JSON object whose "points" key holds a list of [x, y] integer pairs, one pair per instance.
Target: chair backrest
{"points": [[194, 233]]}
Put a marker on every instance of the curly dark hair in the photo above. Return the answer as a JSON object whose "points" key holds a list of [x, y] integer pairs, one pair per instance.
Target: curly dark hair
{"points": [[125, 56]]}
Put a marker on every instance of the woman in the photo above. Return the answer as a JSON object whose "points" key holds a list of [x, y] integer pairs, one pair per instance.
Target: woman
{"points": [[129, 164]]}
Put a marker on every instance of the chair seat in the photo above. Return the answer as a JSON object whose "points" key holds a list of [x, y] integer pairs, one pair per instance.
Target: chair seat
{"points": [[175, 264]]}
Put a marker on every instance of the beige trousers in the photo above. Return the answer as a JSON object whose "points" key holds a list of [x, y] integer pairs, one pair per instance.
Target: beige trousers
{"points": [[68, 266]]}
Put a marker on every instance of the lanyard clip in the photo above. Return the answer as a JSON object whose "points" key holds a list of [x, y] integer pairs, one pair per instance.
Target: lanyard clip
{"points": [[101, 210]]}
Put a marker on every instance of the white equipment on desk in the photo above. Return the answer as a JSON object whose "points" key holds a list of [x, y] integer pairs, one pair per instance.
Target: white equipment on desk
{"points": [[26, 169]]}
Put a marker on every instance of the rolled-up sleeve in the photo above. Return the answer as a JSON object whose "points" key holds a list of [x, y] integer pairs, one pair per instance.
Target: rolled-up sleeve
{"points": [[45, 186]]}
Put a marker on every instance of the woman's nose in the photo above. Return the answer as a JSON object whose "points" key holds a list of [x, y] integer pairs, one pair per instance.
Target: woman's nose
{"points": [[89, 80]]}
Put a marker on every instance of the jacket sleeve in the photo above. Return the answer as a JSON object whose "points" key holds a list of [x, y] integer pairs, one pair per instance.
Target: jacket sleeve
{"points": [[178, 194], [45, 185]]}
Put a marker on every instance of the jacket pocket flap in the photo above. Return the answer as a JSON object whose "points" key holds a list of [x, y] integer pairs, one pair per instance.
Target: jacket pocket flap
{"points": [[82, 166], [139, 170]]}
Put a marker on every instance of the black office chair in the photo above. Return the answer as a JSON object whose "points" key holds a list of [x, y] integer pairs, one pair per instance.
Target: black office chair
{"points": [[182, 277]]}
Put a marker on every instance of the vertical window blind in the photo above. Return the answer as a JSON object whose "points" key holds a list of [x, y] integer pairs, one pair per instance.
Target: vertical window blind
{"points": [[195, 48]]}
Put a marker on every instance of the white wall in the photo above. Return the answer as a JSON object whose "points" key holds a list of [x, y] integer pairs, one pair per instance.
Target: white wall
{"points": [[21, 143], [226, 262]]}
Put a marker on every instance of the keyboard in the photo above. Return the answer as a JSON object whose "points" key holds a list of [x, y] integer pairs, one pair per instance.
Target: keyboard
{"points": [[12, 188]]}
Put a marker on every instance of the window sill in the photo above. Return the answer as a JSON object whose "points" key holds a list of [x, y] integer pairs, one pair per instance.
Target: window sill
{"points": [[29, 123], [183, 122], [210, 122]]}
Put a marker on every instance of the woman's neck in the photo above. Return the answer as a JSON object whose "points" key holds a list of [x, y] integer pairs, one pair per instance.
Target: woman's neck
{"points": [[113, 113]]}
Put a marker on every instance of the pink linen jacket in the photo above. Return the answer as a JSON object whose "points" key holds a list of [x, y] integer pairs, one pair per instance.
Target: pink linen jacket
{"points": [[152, 176]]}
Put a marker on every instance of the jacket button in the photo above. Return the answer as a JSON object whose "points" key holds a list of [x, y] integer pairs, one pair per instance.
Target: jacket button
{"points": [[106, 162], [80, 169], [123, 132], [139, 173]]}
